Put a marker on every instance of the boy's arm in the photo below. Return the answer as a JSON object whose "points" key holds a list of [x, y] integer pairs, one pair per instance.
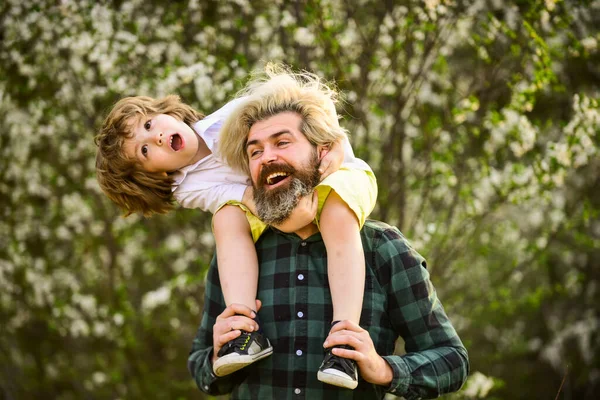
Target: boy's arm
{"points": [[248, 200]]}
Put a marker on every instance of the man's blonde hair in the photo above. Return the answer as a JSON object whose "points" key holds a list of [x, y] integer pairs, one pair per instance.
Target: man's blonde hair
{"points": [[121, 178], [274, 91]]}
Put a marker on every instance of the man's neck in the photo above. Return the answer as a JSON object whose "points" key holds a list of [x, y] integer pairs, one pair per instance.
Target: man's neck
{"points": [[307, 231]]}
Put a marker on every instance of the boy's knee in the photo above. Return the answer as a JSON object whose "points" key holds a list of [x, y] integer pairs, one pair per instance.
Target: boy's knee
{"points": [[336, 209], [229, 216]]}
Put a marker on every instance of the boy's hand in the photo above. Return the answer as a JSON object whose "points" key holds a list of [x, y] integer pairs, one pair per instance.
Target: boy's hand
{"points": [[230, 323], [248, 199], [304, 213], [332, 158]]}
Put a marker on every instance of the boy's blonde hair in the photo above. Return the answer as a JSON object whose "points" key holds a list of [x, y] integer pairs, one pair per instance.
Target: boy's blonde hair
{"points": [[275, 91], [121, 178]]}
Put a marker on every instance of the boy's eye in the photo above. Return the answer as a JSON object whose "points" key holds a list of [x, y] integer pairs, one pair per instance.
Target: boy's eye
{"points": [[145, 150], [148, 124]]}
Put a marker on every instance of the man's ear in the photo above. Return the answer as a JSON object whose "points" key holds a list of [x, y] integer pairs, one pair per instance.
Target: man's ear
{"points": [[322, 150]]}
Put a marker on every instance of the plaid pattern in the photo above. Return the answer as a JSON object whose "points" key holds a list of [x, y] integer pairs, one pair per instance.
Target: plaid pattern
{"points": [[296, 314]]}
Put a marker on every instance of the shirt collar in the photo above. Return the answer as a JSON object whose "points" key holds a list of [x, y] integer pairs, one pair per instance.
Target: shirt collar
{"points": [[316, 237], [179, 175]]}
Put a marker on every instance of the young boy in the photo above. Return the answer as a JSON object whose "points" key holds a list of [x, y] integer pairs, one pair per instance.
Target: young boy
{"points": [[154, 151]]}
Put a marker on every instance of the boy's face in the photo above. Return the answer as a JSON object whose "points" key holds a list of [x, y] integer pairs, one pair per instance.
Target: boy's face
{"points": [[162, 143]]}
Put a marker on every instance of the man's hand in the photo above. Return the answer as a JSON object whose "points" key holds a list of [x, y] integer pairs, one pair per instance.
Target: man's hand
{"points": [[229, 324], [373, 368], [332, 158], [304, 213]]}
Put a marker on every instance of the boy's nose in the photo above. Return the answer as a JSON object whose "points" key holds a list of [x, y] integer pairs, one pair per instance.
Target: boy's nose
{"points": [[160, 138]]}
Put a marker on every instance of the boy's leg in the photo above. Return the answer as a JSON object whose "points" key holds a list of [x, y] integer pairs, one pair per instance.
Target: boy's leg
{"points": [[346, 272], [238, 275], [236, 256], [345, 258]]}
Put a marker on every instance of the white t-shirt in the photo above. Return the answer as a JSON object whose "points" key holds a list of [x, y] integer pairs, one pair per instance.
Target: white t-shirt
{"points": [[209, 183]]}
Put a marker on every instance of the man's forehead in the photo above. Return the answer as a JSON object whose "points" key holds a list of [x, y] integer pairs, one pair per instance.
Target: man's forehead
{"points": [[284, 122]]}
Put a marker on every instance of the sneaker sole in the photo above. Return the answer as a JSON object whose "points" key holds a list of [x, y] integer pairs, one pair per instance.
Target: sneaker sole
{"points": [[232, 362], [337, 380]]}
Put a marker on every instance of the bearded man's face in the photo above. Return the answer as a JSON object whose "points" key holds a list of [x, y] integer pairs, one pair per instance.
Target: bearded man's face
{"points": [[283, 165], [275, 205]]}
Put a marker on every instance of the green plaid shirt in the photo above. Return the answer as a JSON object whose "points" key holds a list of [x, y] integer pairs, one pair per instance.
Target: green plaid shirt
{"points": [[296, 314]]}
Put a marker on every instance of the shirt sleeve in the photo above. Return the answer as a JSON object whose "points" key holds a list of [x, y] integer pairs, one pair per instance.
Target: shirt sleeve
{"points": [[210, 198], [436, 362], [199, 360], [210, 126], [350, 160]]}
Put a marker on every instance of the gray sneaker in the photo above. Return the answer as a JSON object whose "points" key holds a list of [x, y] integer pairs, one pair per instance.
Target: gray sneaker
{"points": [[242, 351], [338, 371]]}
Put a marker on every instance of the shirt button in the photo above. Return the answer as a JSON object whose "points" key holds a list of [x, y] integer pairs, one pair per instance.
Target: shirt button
{"points": [[206, 387], [300, 277], [297, 391], [300, 314], [303, 244], [298, 352]]}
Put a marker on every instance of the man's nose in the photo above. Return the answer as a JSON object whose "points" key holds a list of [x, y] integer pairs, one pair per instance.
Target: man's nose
{"points": [[159, 138], [269, 155]]}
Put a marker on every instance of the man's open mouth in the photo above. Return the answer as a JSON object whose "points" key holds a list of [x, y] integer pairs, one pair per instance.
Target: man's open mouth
{"points": [[276, 177], [176, 142]]}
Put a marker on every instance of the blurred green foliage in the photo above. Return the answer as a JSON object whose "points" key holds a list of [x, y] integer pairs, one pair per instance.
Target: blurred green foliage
{"points": [[480, 118]]}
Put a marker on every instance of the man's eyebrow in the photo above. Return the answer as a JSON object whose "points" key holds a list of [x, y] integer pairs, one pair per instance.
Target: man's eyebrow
{"points": [[271, 137]]}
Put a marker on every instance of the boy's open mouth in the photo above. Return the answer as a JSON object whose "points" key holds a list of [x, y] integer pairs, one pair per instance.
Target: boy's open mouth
{"points": [[176, 142]]}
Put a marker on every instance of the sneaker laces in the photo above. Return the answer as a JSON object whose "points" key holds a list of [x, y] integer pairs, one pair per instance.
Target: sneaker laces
{"points": [[237, 344], [340, 363]]}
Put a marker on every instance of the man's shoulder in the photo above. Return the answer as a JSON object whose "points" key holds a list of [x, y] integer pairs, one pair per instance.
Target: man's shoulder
{"points": [[378, 235], [380, 230], [389, 243]]}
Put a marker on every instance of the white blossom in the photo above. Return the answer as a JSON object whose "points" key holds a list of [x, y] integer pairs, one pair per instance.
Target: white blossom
{"points": [[156, 298], [478, 385], [304, 36]]}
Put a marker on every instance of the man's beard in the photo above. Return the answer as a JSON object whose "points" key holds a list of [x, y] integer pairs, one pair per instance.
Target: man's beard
{"points": [[274, 206]]}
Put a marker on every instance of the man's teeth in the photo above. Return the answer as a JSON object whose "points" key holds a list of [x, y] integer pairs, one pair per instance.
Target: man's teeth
{"points": [[171, 141], [275, 175]]}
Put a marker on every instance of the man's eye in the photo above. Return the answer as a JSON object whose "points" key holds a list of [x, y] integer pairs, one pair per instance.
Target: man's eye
{"points": [[148, 125], [145, 150], [255, 153], [282, 143]]}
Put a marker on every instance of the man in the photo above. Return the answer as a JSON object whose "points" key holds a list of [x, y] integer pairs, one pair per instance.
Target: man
{"points": [[295, 304]]}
